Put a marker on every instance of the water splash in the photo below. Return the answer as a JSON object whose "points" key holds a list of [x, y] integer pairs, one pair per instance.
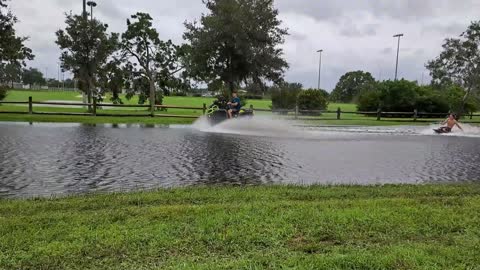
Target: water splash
{"points": [[268, 126], [468, 131], [257, 126]]}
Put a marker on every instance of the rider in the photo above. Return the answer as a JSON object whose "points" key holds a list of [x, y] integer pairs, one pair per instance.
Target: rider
{"points": [[234, 106], [450, 123]]}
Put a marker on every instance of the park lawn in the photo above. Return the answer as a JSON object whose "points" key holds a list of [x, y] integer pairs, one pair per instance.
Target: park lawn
{"points": [[22, 95], [263, 227]]}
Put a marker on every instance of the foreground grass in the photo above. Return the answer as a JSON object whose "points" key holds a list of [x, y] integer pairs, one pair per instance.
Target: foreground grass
{"points": [[389, 227]]}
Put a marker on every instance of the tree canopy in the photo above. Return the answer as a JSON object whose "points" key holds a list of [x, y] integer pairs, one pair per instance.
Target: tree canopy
{"points": [[237, 42], [86, 48], [350, 85], [13, 52], [459, 62], [32, 76], [151, 61]]}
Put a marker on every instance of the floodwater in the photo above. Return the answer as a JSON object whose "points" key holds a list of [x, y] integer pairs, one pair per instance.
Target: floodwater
{"points": [[38, 160]]}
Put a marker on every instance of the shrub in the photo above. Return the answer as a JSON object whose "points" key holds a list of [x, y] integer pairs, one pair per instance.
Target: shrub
{"points": [[3, 92], [454, 96], [369, 101], [311, 99], [284, 99], [178, 94], [197, 95], [252, 96]]}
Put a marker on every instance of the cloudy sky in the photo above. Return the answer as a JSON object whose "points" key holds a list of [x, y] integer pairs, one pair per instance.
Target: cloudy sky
{"points": [[354, 34]]}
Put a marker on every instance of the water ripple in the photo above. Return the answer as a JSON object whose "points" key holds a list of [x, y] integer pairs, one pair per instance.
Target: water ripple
{"points": [[47, 160]]}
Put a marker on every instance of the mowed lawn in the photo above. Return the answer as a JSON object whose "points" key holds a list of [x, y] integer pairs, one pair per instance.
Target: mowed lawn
{"points": [[265, 227], [325, 119], [174, 101]]}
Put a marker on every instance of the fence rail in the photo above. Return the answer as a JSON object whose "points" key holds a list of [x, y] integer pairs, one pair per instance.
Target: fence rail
{"points": [[379, 113], [94, 106], [296, 111]]}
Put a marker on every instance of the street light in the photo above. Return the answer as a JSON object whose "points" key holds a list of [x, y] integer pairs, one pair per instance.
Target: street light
{"points": [[398, 50], [91, 4], [320, 69], [84, 10]]}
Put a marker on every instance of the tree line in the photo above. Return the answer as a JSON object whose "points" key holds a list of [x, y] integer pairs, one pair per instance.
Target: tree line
{"points": [[235, 44]]}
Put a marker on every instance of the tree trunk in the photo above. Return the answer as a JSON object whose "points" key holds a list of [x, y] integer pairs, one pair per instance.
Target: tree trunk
{"points": [[152, 95], [231, 87], [89, 93], [464, 102]]}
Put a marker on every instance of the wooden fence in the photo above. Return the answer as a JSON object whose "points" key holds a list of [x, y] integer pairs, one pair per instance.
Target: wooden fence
{"points": [[379, 114], [415, 115], [94, 106]]}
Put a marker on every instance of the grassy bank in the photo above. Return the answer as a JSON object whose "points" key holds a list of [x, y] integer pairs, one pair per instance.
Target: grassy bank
{"points": [[389, 227]]}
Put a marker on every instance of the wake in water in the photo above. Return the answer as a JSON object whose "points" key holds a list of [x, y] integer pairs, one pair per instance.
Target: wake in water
{"points": [[468, 131], [281, 128]]}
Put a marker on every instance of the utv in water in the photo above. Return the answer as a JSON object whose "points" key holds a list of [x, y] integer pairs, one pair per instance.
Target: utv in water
{"points": [[218, 112]]}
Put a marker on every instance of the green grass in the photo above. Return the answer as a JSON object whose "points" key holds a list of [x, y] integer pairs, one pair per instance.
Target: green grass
{"points": [[278, 227], [42, 95]]}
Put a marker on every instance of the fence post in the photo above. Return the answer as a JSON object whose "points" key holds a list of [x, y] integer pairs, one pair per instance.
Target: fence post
{"points": [[94, 113], [379, 114], [296, 112], [415, 115], [204, 108], [30, 105], [339, 112]]}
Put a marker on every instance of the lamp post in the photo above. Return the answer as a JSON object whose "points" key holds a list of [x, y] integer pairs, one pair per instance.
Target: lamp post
{"points": [[320, 69], [84, 14], [398, 51], [91, 4]]}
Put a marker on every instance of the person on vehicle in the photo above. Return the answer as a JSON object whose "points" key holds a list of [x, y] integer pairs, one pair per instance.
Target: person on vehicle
{"points": [[450, 123], [234, 106]]}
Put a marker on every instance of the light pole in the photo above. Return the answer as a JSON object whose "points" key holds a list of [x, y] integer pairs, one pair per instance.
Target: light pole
{"points": [[59, 75], [91, 4], [320, 69], [84, 9], [398, 51]]}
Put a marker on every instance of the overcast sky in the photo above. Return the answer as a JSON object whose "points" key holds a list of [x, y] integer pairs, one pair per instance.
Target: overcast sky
{"points": [[354, 34]]}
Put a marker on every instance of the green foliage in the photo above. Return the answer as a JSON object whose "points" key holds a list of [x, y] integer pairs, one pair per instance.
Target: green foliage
{"points": [[284, 96], [312, 99], [151, 59], [10, 73], [112, 80], [237, 41], [86, 48], [398, 96], [12, 48], [406, 96], [33, 76], [3, 92], [458, 64], [369, 101], [350, 85], [251, 96], [455, 96]]}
